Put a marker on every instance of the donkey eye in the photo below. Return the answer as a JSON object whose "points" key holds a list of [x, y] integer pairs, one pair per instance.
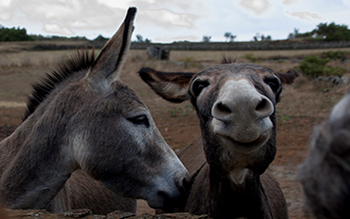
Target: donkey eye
{"points": [[274, 83], [198, 86], [140, 120]]}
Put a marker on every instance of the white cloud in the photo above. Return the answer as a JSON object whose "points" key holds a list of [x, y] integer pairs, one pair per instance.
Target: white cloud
{"points": [[72, 15], [125, 3], [5, 15], [5, 3], [167, 18], [346, 2], [76, 16], [177, 38], [259, 7], [304, 15], [289, 2], [5, 10], [57, 29]]}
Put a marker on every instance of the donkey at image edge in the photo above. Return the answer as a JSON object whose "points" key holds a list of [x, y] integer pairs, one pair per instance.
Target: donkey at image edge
{"points": [[235, 103], [87, 139], [325, 174]]}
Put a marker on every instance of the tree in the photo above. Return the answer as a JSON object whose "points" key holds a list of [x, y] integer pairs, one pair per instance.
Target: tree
{"points": [[332, 32], [14, 34], [257, 37], [324, 31], [262, 37], [229, 37], [232, 38], [139, 38], [265, 38], [206, 39], [294, 35], [100, 38]]}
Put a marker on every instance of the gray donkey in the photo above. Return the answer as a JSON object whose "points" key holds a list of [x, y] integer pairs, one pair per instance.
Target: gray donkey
{"points": [[325, 174], [87, 139]]}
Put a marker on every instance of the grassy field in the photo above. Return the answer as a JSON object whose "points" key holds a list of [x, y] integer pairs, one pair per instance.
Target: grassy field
{"points": [[304, 104]]}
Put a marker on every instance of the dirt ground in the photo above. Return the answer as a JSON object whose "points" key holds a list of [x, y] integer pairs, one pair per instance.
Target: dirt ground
{"points": [[303, 104]]}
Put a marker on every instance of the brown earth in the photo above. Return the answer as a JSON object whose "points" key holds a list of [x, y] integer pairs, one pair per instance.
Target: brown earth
{"points": [[304, 104]]}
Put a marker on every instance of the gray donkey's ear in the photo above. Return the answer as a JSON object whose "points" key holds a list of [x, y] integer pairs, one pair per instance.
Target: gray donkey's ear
{"points": [[106, 69]]}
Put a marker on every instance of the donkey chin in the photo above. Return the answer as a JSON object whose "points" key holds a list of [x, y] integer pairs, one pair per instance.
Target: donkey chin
{"points": [[165, 196]]}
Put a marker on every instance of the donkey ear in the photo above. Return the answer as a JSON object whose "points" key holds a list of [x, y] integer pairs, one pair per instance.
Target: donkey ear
{"points": [[106, 68], [172, 86], [288, 78]]}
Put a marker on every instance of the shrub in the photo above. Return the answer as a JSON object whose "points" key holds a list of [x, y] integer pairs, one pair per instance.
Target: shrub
{"points": [[340, 55], [250, 57], [334, 71], [314, 66]]}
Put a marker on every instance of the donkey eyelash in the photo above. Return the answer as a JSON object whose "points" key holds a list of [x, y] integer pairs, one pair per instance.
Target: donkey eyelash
{"points": [[140, 120], [198, 86], [274, 83]]}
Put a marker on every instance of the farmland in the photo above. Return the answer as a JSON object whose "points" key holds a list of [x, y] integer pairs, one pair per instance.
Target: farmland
{"points": [[304, 104]]}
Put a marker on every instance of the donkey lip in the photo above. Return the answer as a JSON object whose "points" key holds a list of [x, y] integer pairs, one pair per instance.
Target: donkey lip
{"points": [[251, 144]]}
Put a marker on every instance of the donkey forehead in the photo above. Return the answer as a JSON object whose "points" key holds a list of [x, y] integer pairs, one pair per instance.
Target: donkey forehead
{"points": [[121, 99], [236, 71], [220, 74]]}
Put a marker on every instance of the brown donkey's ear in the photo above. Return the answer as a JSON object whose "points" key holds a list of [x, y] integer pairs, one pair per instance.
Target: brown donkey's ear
{"points": [[288, 78], [106, 69], [172, 86]]}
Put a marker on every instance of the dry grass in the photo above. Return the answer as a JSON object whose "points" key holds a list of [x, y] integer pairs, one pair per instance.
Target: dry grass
{"points": [[303, 104], [18, 70]]}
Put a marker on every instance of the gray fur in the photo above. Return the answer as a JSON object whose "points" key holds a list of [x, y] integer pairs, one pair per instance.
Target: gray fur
{"points": [[325, 174], [89, 141]]}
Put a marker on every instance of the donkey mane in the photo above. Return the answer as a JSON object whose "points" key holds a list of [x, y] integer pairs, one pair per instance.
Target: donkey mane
{"points": [[79, 61], [228, 60]]}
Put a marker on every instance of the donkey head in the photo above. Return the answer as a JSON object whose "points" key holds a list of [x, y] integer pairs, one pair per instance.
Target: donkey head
{"points": [[235, 104], [107, 130], [325, 173]]}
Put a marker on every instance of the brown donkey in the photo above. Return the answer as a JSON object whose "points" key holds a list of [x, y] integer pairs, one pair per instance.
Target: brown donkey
{"points": [[325, 174], [235, 104], [87, 139]]}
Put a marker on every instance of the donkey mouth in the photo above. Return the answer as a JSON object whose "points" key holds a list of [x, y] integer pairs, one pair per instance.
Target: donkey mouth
{"points": [[261, 140], [166, 201]]}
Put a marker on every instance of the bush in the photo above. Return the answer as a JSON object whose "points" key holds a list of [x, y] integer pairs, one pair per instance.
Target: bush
{"points": [[314, 66], [250, 57], [334, 71], [340, 55]]}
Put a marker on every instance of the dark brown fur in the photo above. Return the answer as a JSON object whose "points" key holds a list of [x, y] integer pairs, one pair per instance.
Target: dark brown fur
{"points": [[211, 191]]}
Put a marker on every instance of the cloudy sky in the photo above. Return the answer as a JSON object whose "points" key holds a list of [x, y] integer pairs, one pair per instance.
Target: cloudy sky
{"points": [[174, 20]]}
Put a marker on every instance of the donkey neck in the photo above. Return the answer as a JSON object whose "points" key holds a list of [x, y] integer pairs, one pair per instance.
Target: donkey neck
{"points": [[36, 159], [234, 184], [237, 199]]}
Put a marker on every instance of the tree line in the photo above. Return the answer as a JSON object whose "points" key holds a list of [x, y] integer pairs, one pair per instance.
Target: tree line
{"points": [[323, 31], [14, 34], [20, 34]]}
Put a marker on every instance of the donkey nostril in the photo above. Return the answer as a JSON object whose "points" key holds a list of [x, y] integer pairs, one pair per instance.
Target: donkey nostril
{"points": [[221, 107], [261, 105]]}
